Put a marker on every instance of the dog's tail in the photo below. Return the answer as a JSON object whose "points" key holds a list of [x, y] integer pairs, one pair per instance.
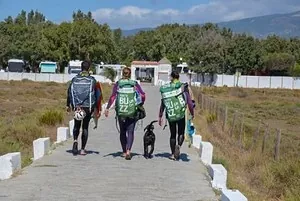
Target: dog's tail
{"points": [[152, 122]]}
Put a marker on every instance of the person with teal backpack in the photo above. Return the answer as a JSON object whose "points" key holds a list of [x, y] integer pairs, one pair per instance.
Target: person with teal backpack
{"points": [[129, 98], [174, 101]]}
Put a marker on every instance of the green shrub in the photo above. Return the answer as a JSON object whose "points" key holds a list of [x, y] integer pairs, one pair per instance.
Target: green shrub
{"points": [[210, 118], [51, 117]]}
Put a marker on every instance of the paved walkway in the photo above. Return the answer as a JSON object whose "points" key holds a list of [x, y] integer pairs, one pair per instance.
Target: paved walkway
{"points": [[104, 175]]}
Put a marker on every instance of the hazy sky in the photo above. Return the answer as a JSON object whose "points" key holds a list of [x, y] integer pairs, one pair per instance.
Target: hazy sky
{"points": [[129, 14]]}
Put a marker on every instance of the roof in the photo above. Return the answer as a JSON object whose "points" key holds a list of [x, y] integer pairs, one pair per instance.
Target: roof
{"points": [[75, 63], [48, 62], [144, 63], [16, 61], [165, 61]]}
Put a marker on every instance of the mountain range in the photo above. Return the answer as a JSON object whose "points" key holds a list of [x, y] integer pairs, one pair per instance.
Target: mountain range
{"points": [[284, 25]]}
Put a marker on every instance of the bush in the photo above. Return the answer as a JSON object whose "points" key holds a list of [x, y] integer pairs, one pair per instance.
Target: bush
{"points": [[51, 117], [210, 118], [238, 92]]}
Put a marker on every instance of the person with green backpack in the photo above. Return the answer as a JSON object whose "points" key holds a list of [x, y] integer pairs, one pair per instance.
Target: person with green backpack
{"points": [[174, 100], [129, 98]]}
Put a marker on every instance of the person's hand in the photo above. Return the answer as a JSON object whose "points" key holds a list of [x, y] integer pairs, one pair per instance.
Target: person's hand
{"points": [[68, 109], [160, 121], [106, 112]]}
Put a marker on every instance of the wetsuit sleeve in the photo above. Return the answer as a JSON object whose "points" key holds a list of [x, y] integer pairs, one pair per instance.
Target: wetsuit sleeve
{"points": [[140, 91], [68, 96], [113, 96], [98, 96], [161, 109]]}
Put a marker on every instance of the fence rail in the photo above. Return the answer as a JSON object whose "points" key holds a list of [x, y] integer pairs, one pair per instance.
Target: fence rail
{"points": [[247, 137], [44, 77], [220, 80]]}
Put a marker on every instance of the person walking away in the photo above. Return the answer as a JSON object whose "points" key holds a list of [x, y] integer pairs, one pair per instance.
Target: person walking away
{"points": [[83, 98], [174, 100], [126, 92]]}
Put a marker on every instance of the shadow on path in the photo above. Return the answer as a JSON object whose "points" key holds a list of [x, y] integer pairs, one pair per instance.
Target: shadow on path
{"points": [[183, 156], [88, 152], [119, 154]]}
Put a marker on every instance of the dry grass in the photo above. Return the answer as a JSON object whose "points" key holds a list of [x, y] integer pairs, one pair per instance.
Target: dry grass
{"points": [[257, 175], [30, 110]]}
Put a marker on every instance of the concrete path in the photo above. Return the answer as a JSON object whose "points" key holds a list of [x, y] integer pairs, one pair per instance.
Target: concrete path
{"points": [[104, 175]]}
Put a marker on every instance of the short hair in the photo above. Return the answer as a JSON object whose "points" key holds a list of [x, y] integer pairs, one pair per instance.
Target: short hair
{"points": [[85, 66], [126, 73], [175, 75]]}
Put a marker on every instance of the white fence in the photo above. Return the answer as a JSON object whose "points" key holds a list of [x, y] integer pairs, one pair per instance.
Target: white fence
{"points": [[243, 81], [44, 77]]}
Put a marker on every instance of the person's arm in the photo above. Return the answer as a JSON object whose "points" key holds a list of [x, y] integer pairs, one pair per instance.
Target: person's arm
{"points": [[161, 112], [189, 103], [113, 96], [140, 91], [69, 98]]}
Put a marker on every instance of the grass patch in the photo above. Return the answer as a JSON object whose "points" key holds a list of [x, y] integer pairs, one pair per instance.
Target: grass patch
{"points": [[32, 110], [254, 173]]}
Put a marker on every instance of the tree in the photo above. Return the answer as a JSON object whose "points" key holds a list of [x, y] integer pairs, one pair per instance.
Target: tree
{"points": [[110, 73], [278, 62]]}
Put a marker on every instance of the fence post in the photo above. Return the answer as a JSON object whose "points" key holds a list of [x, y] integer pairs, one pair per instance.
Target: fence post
{"points": [[225, 118], [270, 82], [215, 107], [277, 145], [258, 81], [233, 123], [246, 81], [265, 138], [255, 136], [241, 132], [281, 82], [202, 101]]}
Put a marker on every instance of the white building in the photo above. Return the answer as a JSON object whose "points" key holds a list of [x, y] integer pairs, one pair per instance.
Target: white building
{"points": [[150, 70]]}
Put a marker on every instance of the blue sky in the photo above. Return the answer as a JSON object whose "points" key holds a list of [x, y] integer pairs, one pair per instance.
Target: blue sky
{"points": [[129, 14]]}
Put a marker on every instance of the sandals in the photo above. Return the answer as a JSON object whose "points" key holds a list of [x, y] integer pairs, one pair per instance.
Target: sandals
{"points": [[172, 158], [128, 157], [177, 152], [83, 152], [75, 148]]}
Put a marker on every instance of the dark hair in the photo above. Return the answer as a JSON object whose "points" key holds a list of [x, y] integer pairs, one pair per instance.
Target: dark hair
{"points": [[175, 75], [85, 66]]}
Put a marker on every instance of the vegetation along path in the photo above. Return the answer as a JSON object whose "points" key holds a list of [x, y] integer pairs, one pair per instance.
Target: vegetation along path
{"points": [[104, 175]]}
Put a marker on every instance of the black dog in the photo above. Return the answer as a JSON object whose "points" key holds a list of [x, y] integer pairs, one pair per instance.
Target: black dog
{"points": [[149, 140]]}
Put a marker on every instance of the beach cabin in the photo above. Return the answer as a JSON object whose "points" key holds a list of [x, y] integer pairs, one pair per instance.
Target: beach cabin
{"points": [[48, 67], [74, 67], [16, 65], [151, 71]]}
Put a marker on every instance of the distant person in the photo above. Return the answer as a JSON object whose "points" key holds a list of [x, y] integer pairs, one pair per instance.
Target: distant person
{"points": [[84, 98], [128, 94], [174, 100]]}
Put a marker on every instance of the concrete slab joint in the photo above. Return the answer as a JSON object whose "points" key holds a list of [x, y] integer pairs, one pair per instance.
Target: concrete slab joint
{"points": [[206, 152], [41, 147], [63, 134], [219, 176], [10, 163]]}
